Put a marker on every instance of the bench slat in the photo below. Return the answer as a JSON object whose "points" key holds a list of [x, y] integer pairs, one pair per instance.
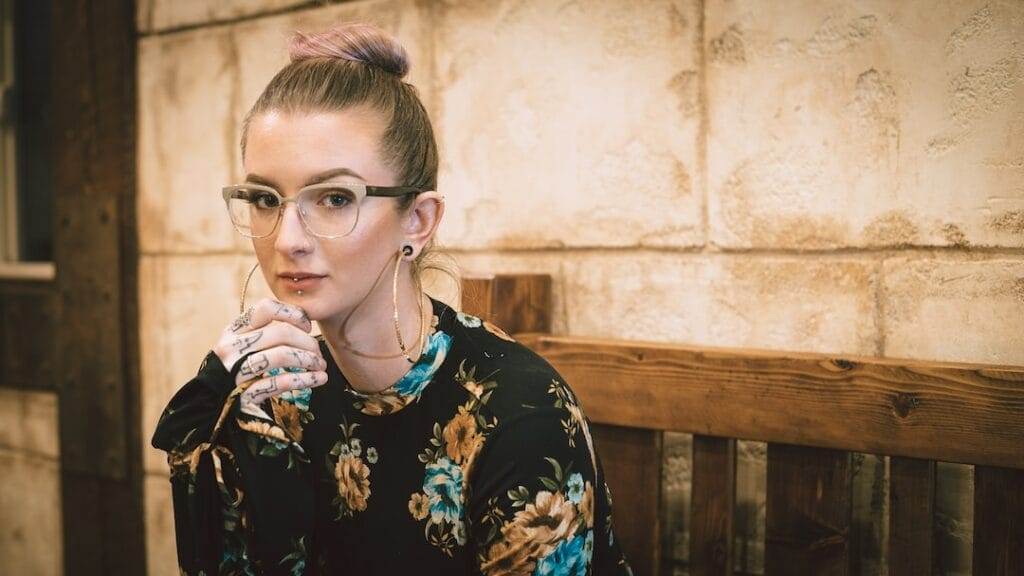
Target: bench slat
{"points": [[808, 510], [632, 459], [711, 506], [911, 516], [998, 521], [945, 412]]}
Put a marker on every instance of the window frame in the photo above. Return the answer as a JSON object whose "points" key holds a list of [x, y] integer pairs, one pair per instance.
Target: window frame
{"points": [[11, 264]]}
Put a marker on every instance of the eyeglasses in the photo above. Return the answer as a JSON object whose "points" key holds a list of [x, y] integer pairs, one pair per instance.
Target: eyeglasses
{"points": [[327, 210]]}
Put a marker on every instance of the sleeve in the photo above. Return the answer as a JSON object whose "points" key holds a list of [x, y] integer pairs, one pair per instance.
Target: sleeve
{"points": [[240, 482], [538, 503]]}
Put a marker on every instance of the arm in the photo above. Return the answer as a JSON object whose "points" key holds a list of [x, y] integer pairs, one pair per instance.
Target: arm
{"points": [[240, 505], [538, 502]]}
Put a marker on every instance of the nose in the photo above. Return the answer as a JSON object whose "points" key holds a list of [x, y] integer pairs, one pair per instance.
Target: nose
{"points": [[292, 236]]}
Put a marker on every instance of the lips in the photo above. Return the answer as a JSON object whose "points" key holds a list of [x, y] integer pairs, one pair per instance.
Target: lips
{"points": [[300, 280]]}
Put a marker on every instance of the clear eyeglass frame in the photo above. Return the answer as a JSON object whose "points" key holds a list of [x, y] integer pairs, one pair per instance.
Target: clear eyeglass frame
{"points": [[360, 190]]}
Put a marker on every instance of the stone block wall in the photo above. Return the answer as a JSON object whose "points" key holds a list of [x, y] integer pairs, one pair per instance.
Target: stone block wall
{"points": [[835, 176], [31, 528]]}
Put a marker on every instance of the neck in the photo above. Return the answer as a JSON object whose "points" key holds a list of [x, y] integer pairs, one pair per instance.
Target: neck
{"points": [[370, 329]]}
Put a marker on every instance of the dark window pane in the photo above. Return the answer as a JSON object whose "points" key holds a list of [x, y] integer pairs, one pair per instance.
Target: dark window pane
{"points": [[34, 129]]}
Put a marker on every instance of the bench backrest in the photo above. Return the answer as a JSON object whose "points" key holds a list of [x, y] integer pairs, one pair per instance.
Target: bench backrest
{"points": [[813, 411]]}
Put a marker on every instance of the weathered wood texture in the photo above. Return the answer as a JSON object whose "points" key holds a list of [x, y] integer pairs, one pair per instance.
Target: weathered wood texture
{"points": [[515, 303], [808, 511], [96, 258], [813, 410], [912, 548], [633, 473], [28, 316], [940, 411], [998, 521], [712, 504]]}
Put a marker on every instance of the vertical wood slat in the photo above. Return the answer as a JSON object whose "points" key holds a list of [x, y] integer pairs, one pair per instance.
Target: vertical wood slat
{"points": [[713, 499], [808, 511], [632, 470], [998, 521], [912, 549], [514, 302]]}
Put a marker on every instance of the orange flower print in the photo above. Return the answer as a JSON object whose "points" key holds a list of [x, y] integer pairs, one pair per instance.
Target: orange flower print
{"points": [[419, 506], [287, 416], [548, 519], [460, 436], [353, 478], [509, 559], [587, 505], [497, 331]]}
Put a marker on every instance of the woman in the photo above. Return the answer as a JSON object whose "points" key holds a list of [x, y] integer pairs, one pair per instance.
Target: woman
{"points": [[462, 452]]}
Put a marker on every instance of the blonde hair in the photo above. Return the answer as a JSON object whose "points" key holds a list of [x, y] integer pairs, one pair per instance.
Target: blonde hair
{"points": [[358, 64]]}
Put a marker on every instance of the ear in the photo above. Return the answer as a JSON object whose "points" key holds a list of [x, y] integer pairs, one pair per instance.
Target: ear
{"points": [[421, 220]]}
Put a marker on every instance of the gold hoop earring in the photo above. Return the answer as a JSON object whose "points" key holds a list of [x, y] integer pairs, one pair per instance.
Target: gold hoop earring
{"points": [[420, 338], [245, 287], [406, 250]]}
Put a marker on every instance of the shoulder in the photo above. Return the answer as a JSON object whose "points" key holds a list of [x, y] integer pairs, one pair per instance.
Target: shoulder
{"points": [[511, 379]]}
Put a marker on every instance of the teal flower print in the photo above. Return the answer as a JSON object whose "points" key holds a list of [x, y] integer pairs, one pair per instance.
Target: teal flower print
{"points": [[567, 559], [442, 484], [299, 397], [574, 488], [417, 378], [588, 546]]}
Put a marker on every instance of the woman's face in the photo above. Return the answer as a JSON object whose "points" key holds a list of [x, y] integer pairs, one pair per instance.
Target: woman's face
{"points": [[287, 151]]}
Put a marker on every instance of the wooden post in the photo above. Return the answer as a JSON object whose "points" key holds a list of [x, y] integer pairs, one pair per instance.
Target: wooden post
{"points": [[96, 258]]}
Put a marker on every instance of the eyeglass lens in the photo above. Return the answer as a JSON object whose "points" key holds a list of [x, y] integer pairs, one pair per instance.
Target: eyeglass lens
{"points": [[326, 211]]}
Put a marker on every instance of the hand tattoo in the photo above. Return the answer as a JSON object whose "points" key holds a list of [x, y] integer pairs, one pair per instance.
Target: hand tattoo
{"points": [[255, 365], [246, 342], [291, 312], [242, 321]]}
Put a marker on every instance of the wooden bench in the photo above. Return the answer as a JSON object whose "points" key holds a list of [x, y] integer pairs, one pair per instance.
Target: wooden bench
{"points": [[813, 411]]}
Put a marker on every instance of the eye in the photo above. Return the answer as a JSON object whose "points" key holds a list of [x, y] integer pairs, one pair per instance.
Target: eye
{"points": [[263, 199], [336, 198]]}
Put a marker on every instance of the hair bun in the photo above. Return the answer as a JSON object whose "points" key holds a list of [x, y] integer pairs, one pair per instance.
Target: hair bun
{"points": [[355, 42]]}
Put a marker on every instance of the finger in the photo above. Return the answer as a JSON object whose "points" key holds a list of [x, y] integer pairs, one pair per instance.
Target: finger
{"points": [[268, 310], [270, 386], [274, 334], [287, 357]]}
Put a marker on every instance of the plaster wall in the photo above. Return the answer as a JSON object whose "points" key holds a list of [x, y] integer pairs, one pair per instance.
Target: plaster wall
{"points": [[835, 176]]}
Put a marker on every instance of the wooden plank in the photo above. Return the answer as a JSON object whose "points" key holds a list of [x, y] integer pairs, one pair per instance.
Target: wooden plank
{"points": [[96, 257], [27, 308], [712, 502], [632, 461], [808, 511], [513, 302], [912, 549], [938, 411], [998, 521]]}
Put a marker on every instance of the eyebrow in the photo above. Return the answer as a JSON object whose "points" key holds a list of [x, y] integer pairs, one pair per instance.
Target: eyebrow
{"points": [[316, 179]]}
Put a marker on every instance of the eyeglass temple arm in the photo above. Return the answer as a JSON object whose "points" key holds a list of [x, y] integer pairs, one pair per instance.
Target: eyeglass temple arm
{"points": [[391, 190]]}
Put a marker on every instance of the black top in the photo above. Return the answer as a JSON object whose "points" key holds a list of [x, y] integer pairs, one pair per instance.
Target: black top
{"points": [[478, 460]]}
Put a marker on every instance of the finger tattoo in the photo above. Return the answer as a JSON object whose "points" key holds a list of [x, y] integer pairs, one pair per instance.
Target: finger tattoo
{"points": [[246, 342], [242, 321], [255, 364]]}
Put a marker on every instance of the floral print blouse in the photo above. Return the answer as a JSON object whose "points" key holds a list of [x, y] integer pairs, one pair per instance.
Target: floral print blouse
{"points": [[479, 460]]}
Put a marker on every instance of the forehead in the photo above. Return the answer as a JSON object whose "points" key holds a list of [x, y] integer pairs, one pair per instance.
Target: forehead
{"points": [[287, 148]]}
